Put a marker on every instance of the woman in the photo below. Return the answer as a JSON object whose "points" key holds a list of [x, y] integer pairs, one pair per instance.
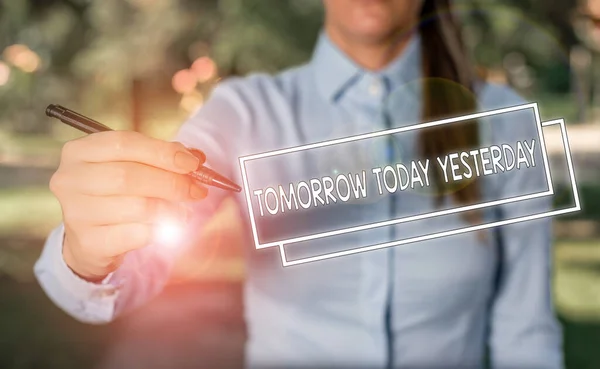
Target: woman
{"points": [[378, 64]]}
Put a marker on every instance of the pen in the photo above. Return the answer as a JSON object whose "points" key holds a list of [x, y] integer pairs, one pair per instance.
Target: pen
{"points": [[203, 174]]}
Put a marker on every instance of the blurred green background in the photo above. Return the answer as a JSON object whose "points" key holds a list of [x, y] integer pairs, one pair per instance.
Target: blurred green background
{"points": [[148, 64]]}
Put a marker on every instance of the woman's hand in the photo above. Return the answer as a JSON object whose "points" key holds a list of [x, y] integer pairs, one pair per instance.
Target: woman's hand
{"points": [[112, 188]]}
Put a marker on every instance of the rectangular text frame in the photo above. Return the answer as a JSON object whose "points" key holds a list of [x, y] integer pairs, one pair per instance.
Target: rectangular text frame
{"points": [[551, 213], [510, 109]]}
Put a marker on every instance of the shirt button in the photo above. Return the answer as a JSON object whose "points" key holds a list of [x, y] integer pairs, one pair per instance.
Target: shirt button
{"points": [[375, 88], [104, 292]]}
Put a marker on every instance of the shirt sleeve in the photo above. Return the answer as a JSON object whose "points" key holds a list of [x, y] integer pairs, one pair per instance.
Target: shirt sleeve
{"points": [[524, 330], [144, 272], [85, 301]]}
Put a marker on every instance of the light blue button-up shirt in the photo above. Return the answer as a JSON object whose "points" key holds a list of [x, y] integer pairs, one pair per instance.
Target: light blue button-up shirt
{"points": [[430, 304]]}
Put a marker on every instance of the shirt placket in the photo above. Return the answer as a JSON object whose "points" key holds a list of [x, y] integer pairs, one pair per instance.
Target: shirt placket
{"points": [[377, 92]]}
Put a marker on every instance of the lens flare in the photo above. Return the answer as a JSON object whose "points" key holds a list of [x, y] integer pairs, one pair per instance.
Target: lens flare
{"points": [[169, 233]]}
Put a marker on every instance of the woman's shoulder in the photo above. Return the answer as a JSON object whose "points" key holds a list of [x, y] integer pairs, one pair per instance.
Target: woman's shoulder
{"points": [[248, 106], [510, 126], [493, 95], [260, 88]]}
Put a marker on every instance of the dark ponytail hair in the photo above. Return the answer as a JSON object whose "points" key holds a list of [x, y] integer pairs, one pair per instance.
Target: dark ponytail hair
{"points": [[448, 90]]}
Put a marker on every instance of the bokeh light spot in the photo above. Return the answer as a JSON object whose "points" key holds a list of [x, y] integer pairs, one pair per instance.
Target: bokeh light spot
{"points": [[4, 73], [191, 102], [204, 68], [22, 57], [12, 52], [184, 81]]}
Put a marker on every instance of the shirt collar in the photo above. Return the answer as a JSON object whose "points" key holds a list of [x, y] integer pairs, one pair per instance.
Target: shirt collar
{"points": [[336, 72]]}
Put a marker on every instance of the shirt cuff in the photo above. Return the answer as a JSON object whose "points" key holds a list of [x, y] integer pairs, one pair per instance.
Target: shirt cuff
{"points": [[86, 301]]}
